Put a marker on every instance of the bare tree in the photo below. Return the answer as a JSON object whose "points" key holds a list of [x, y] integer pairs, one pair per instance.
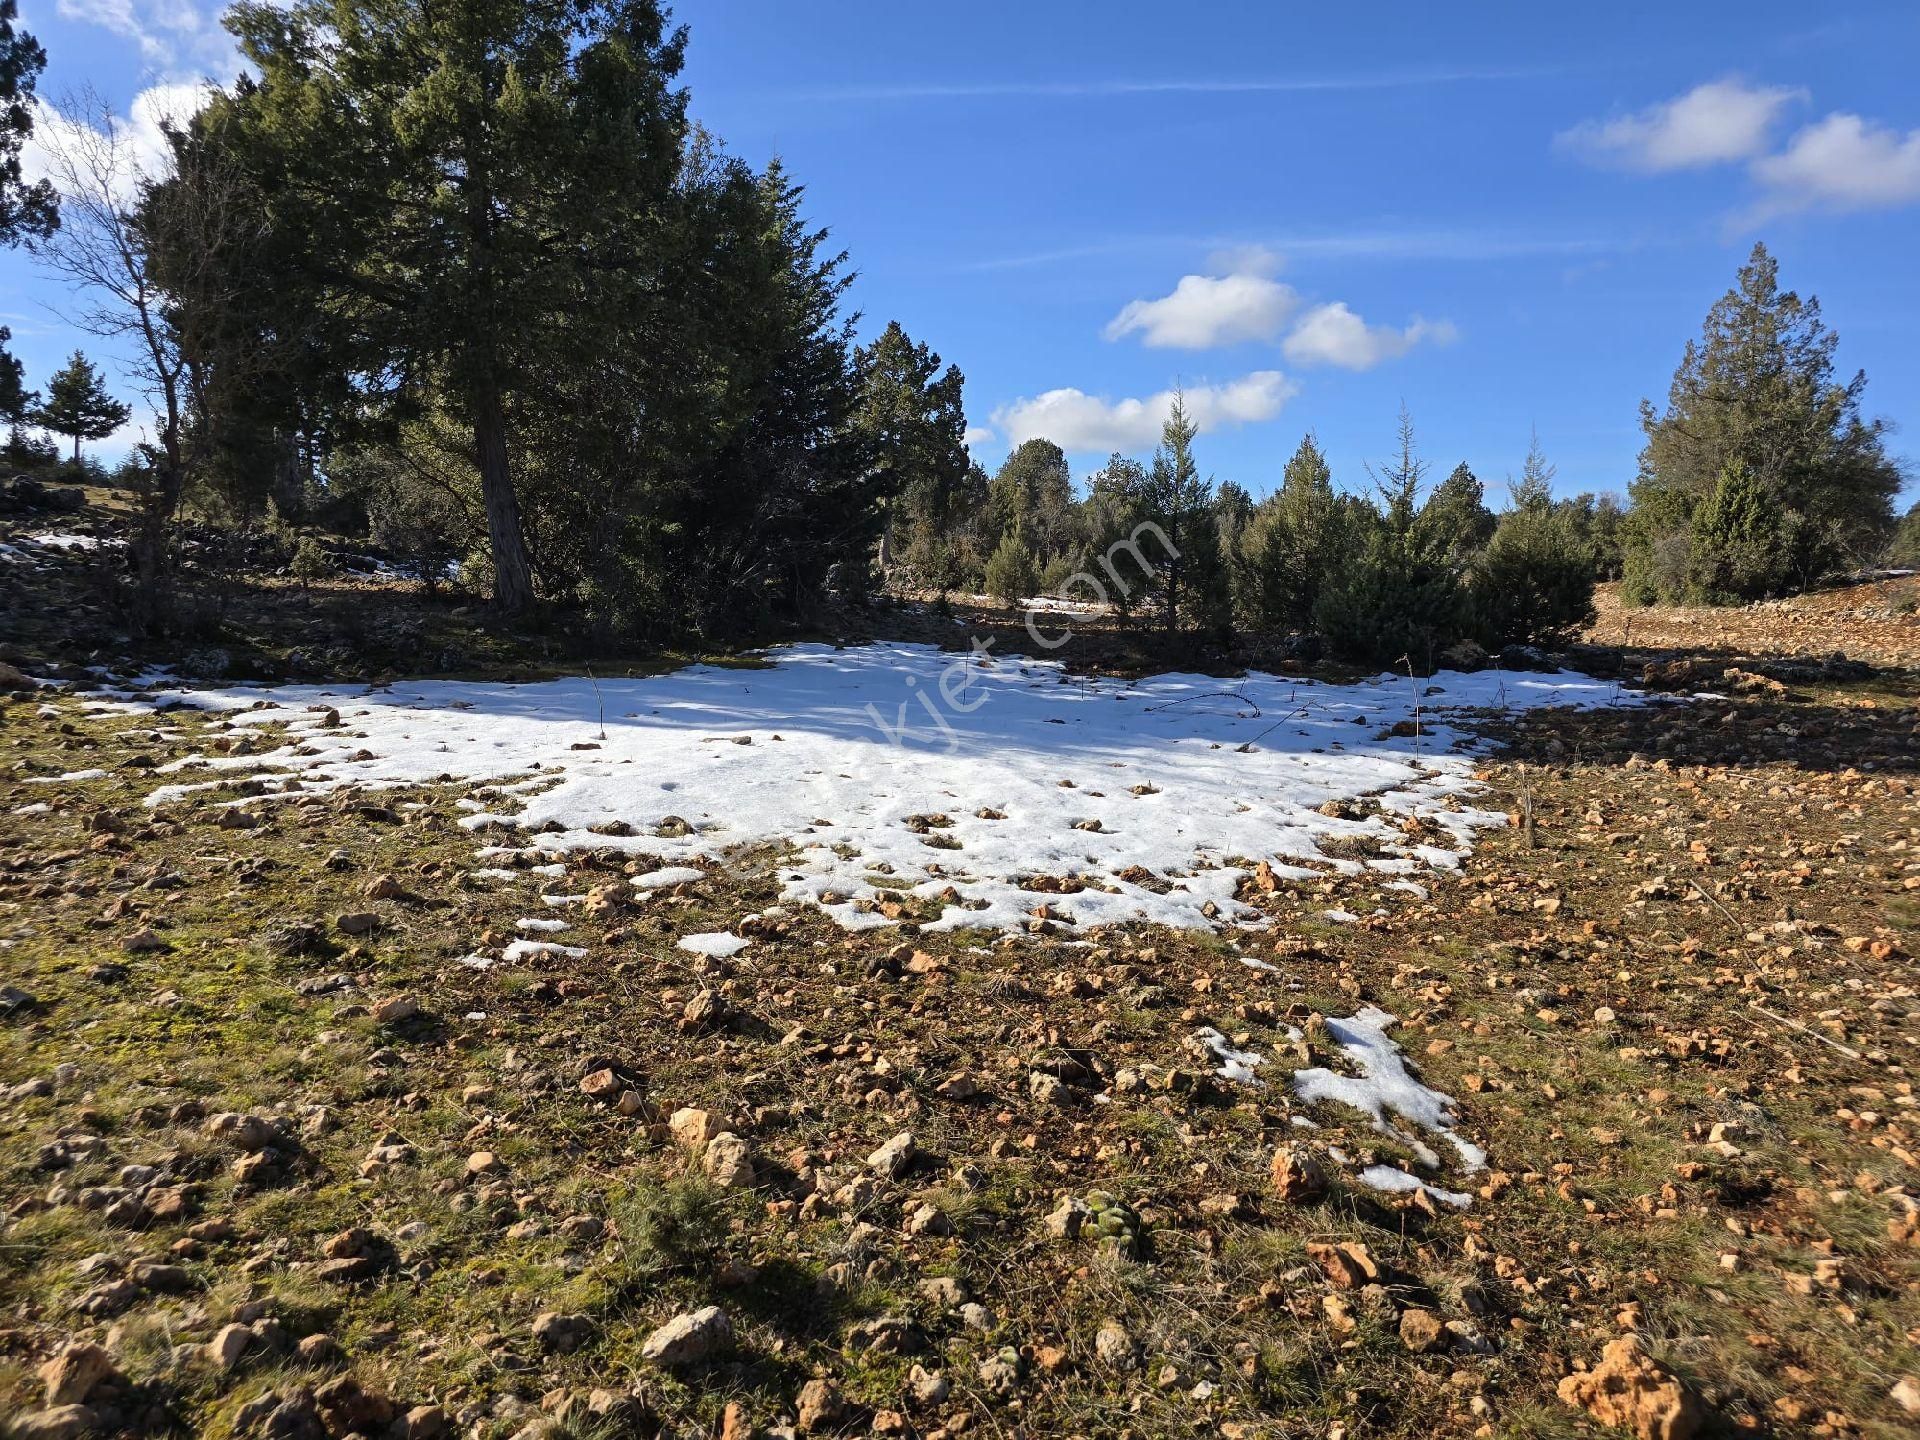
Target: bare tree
{"points": [[117, 222]]}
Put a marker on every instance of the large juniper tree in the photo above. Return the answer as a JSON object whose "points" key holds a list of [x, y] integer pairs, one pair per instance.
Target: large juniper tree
{"points": [[461, 179], [1756, 397]]}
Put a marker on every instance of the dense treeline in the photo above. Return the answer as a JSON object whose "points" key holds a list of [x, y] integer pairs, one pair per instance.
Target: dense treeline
{"points": [[469, 280], [1383, 573]]}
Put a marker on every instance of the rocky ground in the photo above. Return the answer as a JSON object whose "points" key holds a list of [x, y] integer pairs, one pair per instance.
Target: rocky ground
{"points": [[279, 1158], [1876, 620]]}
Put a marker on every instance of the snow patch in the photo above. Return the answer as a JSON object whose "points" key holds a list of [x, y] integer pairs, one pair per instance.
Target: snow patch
{"points": [[715, 943], [1385, 1089], [942, 780]]}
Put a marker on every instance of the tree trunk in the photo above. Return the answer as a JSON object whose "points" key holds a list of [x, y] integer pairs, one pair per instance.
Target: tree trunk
{"points": [[512, 582]]}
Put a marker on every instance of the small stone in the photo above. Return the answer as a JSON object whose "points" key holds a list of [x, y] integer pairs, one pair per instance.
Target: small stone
{"points": [[426, 1422], [484, 1162], [893, 1159], [1906, 1394], [928, 1387], [61, 1422], [229, 1343], [688, 1338], [693, 1129], [820, 1406], [70, 1376], [1421, 1331], [320, 1352], [1632, 1390], [1297, 1175], [728, 1162], [397, 1008], [562, 1334], [1115, 1347]]}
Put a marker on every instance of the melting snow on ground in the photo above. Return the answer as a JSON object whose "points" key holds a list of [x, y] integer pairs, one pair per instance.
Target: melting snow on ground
{"points": [[1384, 1091], [715, 943], [952, 777]]}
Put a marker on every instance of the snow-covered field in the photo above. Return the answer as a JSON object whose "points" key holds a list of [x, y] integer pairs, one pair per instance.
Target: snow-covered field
{"points": [[900, 767]]}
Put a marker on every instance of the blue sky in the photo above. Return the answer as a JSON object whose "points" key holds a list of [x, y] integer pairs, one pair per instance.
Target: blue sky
{"points": [[1508, 217]]}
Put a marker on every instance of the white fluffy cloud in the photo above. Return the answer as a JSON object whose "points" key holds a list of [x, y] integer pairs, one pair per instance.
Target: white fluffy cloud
{"points": [[1712, 124], [1843, 163], [1079, 422], [1204, 311], [1333, 335], [138, 139]]}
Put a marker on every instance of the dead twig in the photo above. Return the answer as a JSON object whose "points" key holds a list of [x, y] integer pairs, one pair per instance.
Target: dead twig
{"points": [[1792, 1024]]}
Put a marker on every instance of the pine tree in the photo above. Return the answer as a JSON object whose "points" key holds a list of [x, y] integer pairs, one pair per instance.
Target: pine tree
{"points": [[911, 414], [1533, 582], [1296, 539], [1758, 389], [79, 406], [469, 182], [1400, 599], [1032, 492], [1191, 580], [26, 211], [1534, 489], [1455, 515]]}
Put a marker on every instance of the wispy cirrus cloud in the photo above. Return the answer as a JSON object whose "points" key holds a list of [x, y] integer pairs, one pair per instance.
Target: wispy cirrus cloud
{"points": [[180, 39], [1099, 88], [1083, 423]]}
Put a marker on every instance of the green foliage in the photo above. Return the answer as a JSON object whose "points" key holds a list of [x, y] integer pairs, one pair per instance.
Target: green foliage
{"points": [[1189, 583], [1296, 539], [310, 562], [566, 135], [670, 1227], [1534, 582], [26, 210], [1758, 390], [1737, 542], [1011, 574], [1032, 492], [1400, 597], [1120, 556], [1455, 516], [911, 417], [78, 404], [1903, 551]]}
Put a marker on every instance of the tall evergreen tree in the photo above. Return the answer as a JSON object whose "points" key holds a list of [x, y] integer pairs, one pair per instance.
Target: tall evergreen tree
{"points": [[1297, 539], [1455, 514], [1032, 492], [1192, 581], [460, 179], [1758, 389], [912, 417], [78, 404], [26, 211], [1400, 599]]}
